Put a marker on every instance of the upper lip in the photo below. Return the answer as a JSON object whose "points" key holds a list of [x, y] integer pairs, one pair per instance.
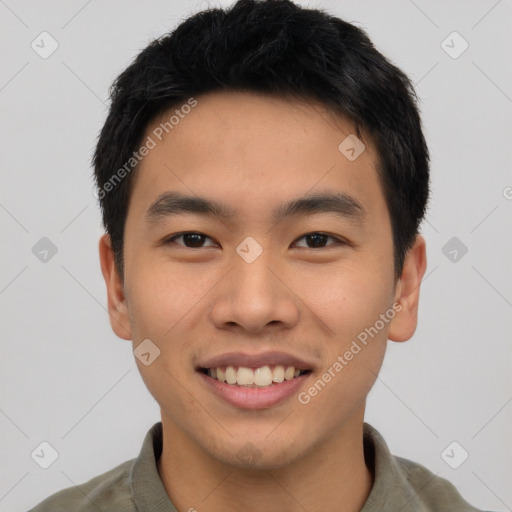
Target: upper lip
{"points": [[255, 360]]}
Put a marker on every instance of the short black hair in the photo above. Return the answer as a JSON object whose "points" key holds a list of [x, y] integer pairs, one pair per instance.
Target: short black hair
{"points": [[272, 47]]}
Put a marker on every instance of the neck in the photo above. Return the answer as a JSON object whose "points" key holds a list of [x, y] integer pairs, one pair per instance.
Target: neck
{"points": [[332, 476]]}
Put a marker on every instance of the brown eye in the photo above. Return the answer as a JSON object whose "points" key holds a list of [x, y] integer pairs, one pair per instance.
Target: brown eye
{"points": [[318, 240], [193, 239], [190, 240]]}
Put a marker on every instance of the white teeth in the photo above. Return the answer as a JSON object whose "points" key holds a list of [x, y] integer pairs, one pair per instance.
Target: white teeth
{"points": [[245, 376], [259, 377], [278, 374], [289, 373], [262, 376], [230, 375]]}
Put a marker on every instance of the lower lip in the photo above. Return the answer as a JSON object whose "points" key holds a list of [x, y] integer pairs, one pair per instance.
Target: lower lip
{"points": [[255, 398]]}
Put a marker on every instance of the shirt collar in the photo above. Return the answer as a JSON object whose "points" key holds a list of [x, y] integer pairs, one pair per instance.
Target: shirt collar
{"points": [[390, 487], [148, 491]]}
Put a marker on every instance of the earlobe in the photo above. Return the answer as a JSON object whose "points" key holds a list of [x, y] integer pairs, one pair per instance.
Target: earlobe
{"points": [[117, 307], [404, 324]]}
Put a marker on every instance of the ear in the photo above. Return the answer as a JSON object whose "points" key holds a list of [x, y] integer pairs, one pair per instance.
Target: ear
{"points": [[407, 292], [117, 307]]}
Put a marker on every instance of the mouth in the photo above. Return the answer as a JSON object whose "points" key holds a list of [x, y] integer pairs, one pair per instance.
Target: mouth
{"points": [[254, 381], [260, 377]]}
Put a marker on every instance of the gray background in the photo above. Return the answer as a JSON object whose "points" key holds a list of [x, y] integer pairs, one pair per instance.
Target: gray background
{"points": [[66, 379]]}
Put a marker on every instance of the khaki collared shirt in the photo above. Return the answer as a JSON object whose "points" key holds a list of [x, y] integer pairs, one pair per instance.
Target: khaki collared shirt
{"points": [[135, 485]]}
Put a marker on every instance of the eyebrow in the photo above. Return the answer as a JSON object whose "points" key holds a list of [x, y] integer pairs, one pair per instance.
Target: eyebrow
{"points": [[174, 203]]}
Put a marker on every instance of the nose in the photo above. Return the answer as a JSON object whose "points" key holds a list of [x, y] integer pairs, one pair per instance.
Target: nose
{"points": [[255, 297]]}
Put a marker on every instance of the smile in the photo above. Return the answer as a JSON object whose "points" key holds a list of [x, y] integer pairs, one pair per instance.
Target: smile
{"points": [[261, 377]]}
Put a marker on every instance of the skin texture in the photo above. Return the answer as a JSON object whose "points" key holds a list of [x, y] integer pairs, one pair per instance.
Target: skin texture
{"points": [[254, 152]]}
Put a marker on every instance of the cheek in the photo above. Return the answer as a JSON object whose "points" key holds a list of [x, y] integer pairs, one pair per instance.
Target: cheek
{"points": [[160, 303], [341, 390], [156, 304], [353, 351], [160, 296], [348, 300]]}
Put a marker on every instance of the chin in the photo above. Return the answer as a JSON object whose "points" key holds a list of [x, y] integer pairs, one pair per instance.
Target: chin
{"points": [[258, 453]]}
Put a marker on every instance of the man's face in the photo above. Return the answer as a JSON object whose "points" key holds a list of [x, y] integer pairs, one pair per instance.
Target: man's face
{"points": [[257, 289]]}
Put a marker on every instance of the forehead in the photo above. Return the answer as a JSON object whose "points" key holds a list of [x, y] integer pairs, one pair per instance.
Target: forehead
{"points": [[254, 150], [236, 122]]}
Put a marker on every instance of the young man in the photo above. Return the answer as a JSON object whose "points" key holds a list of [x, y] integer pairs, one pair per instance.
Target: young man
{"points": [[262, 175]]}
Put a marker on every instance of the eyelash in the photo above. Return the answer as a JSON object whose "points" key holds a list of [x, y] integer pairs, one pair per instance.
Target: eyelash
{"points": [[338, 241]]}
